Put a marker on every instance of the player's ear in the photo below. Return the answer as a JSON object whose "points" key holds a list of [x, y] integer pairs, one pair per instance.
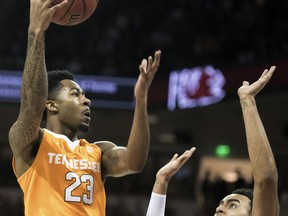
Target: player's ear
{"points": [[51, 106]]}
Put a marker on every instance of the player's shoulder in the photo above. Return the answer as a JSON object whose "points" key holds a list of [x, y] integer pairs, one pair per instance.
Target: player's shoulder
{"points": [[105, 145]]}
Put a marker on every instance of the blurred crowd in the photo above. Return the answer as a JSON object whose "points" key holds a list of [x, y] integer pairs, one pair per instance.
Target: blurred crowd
{"points": [[119, 34]]}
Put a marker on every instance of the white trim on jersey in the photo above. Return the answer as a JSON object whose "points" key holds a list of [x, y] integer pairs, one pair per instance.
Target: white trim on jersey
{"points": [[72, 144]]}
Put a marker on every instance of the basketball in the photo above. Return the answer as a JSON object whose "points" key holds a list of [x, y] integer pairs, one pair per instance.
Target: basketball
{"points": [[75, 12]]}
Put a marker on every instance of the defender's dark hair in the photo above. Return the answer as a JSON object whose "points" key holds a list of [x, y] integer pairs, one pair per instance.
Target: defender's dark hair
{"points": [[54, 79], [245, 192]]}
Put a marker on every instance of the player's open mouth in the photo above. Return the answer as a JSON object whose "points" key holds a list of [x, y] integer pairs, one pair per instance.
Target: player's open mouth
{"points": [[87, 113]]}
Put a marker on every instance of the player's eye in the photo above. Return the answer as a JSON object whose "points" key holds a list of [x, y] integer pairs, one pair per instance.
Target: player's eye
{"points": [[75, 93], [232, 205]]}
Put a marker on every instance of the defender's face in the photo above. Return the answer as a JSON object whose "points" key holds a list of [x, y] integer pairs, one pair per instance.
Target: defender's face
{"points": [[73, 106], [234, 205]]}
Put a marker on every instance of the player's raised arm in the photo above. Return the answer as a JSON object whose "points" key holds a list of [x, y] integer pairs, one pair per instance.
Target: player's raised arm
{"points": [[132, 158], [265, 197], [157, 201], [25, 130]]}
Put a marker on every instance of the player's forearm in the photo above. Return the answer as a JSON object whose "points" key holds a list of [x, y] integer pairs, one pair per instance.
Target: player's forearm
{"points": [[260, 153], [139, 140], [160, 186], [157, 201], [34, 84]]}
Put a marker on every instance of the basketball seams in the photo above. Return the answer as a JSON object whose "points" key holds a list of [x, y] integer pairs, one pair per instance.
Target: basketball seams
{"points": [[74, 12], [84, 8], [68, 9]]}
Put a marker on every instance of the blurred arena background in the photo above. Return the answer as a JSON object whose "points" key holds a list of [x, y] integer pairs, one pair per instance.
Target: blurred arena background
{"points": [[238, 38]]}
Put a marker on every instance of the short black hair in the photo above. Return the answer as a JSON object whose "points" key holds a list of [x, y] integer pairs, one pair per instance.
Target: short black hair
{"points": [[54, 81], [248, 192], [54, 86]]}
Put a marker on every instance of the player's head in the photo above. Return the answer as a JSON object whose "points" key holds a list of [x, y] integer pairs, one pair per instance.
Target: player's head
{"points": [[67, 104], [245, 192], [54, 81], [238, 203]]}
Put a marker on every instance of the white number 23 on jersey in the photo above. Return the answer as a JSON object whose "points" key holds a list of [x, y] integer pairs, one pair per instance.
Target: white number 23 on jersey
{"points": [[87, 196]]}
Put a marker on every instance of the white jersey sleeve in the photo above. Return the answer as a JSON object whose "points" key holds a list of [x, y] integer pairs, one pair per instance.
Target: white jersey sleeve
{"points": [[156, 205]]}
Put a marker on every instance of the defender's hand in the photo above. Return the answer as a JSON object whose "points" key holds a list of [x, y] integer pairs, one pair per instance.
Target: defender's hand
{"points": [[252, 90]]}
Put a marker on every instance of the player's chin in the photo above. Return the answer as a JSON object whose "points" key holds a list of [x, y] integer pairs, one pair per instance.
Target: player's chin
{"points": [[84, 127], [86, 120]]}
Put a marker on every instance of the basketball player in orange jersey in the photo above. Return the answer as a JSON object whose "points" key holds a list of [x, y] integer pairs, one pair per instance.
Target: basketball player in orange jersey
{"points": [[263, 199], [58, 173]]}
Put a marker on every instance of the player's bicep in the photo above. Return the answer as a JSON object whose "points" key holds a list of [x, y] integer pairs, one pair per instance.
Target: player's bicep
{"points": [[265, 199], [114, 162], [23, 134]]}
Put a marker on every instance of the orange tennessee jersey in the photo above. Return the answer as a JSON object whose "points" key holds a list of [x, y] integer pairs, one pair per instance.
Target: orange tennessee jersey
{"points": [[64, 179]]}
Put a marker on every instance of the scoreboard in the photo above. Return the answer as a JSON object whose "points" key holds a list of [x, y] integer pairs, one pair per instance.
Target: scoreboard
{"points": [[104, 92]]}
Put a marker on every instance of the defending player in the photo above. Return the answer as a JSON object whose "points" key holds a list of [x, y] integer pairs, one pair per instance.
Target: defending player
{"points": [[263, 199]]}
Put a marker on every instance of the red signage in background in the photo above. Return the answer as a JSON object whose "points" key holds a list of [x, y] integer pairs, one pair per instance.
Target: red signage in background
{"points": [[200, 86], [234, 76]]}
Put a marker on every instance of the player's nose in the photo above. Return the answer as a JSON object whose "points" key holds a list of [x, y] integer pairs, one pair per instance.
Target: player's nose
{"points": [[86, 101], [219, 210]]}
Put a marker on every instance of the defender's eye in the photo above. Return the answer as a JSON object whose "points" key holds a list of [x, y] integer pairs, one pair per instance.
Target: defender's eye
{"points": [[232, 205]]}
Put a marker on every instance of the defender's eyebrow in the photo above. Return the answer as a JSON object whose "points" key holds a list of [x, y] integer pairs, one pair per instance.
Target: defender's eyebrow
{"points": [[233, 200], [229, 201]]}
